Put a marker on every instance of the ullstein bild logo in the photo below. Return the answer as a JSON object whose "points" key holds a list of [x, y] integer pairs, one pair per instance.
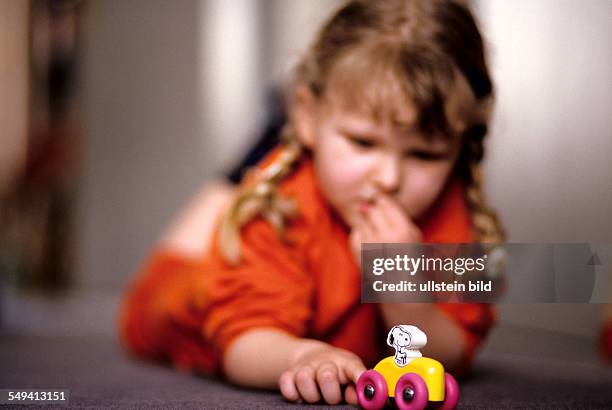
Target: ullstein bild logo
{"points": [[506, 273]]}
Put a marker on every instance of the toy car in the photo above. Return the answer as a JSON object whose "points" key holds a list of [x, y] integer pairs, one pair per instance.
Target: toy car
{"points": [[410, 379]]}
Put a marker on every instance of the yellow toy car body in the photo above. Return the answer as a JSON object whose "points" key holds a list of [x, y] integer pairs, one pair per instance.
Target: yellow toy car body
{"points": [[430, 370], [412, 386]]}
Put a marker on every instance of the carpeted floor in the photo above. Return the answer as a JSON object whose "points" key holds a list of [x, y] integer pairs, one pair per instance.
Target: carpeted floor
{"points": [[99, 374], [69, 343]]}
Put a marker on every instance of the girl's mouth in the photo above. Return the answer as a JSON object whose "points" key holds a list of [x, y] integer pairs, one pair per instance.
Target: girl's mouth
{"points": [[365, 205]]}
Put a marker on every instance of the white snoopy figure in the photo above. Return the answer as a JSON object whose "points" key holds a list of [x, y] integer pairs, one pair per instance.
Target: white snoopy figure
{"points": [[407, 340]]}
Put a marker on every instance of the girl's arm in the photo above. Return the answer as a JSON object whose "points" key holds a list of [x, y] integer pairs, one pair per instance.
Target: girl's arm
{"points": [[266, 358], [301, 368]]}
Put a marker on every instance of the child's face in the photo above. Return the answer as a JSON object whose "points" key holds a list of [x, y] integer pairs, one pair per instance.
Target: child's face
{"points": [[357, 159]]}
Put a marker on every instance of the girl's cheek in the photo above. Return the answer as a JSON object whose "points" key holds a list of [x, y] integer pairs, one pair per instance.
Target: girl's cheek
{"points": [[351, 164], [421, 186], [350, 175], [339, 170]]}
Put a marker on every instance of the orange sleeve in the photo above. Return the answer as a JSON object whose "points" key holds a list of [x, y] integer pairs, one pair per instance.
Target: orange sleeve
{"points": [[270, 287], [475, 320]]}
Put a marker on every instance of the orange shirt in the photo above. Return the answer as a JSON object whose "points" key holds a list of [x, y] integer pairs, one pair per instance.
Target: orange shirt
{"points": [[189, 311]]}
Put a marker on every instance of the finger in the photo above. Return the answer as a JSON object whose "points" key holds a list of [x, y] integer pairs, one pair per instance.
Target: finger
{"points": [[360, 232], [414, 234], [354, 369], [350, 394], [286, 384], [393, 212], [327, 378], [379, 219], [358, 225], [342, 364], [342, 377], [390, 216], [306, 386], [368, 229]]}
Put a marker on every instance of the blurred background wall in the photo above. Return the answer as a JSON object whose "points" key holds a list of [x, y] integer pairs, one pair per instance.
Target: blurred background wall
{"points": [[170, 93], [173, 94], [145, 149], [548, 164]]}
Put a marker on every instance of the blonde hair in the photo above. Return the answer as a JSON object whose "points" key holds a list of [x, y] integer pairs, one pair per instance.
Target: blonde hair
{"points": [[379, 56]]}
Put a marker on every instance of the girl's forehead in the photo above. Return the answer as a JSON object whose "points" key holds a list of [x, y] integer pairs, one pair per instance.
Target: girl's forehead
{"points": [[403, 115], [364, 122]]}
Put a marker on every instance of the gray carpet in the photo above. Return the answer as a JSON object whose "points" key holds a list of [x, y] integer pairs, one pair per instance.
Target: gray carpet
{"points": [[563, 375]]}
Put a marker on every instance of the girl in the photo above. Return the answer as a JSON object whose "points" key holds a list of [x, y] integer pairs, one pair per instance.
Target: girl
{"points": [[387, 116]]}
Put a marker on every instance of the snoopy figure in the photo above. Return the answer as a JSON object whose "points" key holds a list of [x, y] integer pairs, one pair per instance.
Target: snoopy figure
{"points": [[406, 340]]}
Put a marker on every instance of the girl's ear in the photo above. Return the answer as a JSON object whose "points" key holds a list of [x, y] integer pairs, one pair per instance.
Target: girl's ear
{"points": [[303, 115]]}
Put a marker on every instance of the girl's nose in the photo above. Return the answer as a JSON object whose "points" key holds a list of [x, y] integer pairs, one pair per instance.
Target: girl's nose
{"points": [[388, 174]]}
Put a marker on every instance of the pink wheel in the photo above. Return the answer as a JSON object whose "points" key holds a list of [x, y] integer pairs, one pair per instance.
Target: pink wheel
{"points": [[372, 391], [411, 392], [451, 393]]}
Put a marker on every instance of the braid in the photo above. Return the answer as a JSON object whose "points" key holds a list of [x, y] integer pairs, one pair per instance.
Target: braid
{"points": [[261, 198], [486, 225]]}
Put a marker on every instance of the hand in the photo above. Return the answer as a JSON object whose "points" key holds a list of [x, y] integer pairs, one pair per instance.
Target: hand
{"points": [[322, 371], [383, 221]]}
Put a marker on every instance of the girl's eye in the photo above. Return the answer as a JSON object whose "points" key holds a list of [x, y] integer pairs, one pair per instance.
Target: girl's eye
{"points": [[426, 155], [361, 142]]}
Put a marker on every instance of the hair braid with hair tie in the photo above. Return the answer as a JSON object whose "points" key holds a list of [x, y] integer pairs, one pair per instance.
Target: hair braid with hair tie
{"points": [[260, 199]]}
